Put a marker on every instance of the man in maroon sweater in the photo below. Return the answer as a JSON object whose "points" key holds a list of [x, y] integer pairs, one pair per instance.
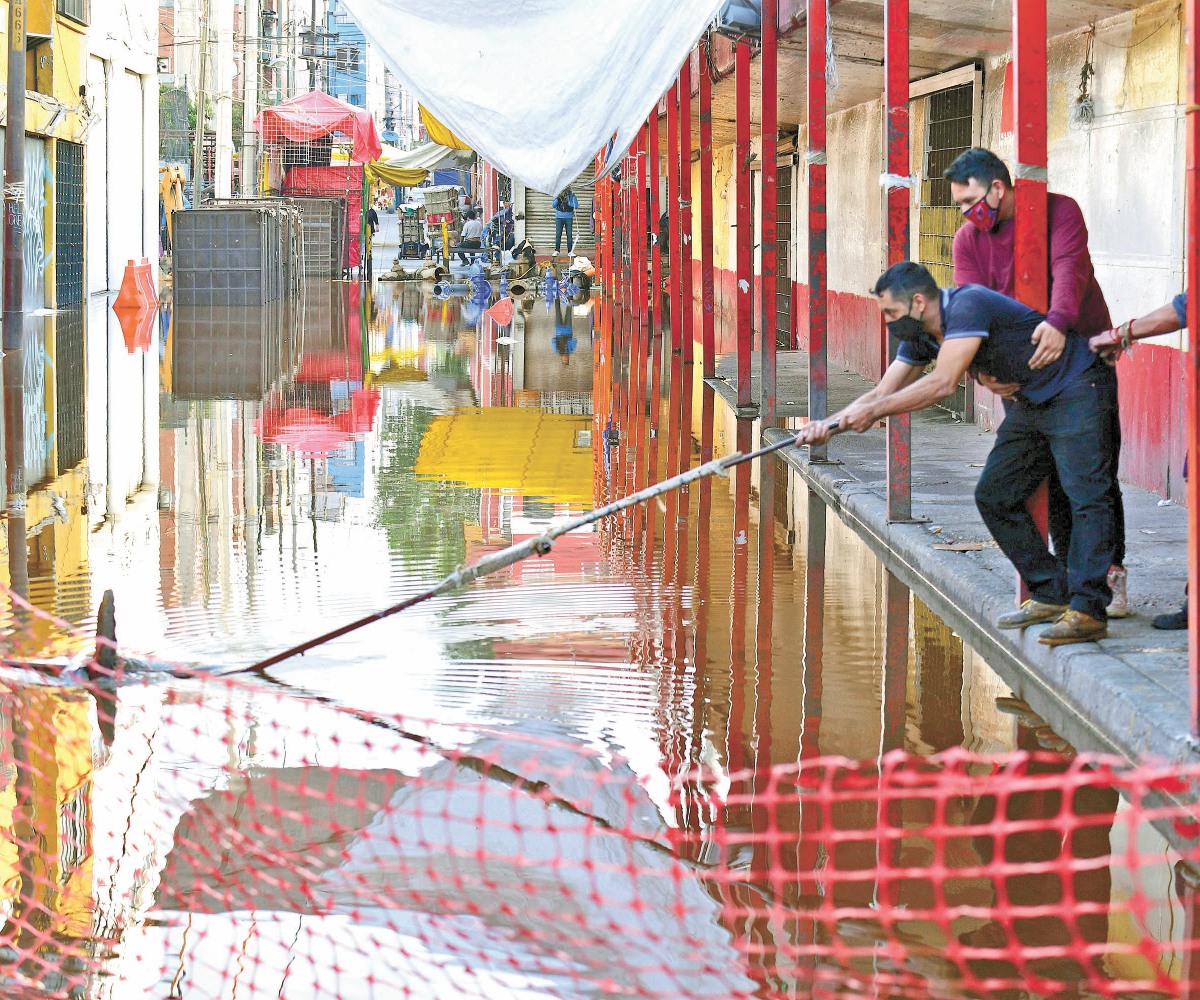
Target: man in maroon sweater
{"points": [[981, 186]]}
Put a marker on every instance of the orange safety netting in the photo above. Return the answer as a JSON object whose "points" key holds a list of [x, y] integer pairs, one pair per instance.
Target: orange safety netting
{"points": [[174, 834]]}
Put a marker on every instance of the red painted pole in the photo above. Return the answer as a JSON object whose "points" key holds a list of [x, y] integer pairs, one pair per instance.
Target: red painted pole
{"points": [[708, 320], [899, 458], [1193, 421], [687, 304], [675, 383], [768, 209], [655, 213], [1030, 234], [675, 259], [818, 242], [744, 236]]}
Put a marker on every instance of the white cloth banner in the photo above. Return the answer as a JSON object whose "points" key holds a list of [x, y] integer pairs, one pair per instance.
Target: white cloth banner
{"points": [[537, 87]]}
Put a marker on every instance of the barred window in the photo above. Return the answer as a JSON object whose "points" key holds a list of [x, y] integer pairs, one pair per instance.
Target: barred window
{"points": [[76, 10]]}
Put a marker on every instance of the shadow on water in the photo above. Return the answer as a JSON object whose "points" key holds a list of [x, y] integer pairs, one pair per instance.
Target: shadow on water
{"points": [[708, 749]]}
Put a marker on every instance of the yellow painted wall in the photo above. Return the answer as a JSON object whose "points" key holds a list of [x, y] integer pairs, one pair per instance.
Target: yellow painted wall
{"points": [[69, 49]]}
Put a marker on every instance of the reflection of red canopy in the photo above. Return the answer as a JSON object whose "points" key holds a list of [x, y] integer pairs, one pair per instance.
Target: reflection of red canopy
{"points": [[314, 115], [311, 432]]}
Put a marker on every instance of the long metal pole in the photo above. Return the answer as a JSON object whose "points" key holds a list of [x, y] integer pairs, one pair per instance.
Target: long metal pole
{"points": [[708, 335], [768, 210], [201, 83], [540, 545], [818, 241], [899, 457], [1193, 399], [1030, 234], [745, 265]]}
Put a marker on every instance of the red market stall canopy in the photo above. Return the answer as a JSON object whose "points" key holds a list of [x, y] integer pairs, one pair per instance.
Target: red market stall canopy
{"points": [[315, 115]]}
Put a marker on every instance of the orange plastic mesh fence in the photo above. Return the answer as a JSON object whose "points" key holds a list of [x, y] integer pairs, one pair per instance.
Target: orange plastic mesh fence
{"points": [[197, 836]]}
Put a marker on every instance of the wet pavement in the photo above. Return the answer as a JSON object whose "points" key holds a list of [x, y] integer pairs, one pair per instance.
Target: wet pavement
{"points": [[605, 772]]}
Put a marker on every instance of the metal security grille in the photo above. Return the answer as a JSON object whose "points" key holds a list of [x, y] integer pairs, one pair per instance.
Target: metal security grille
{"points": [[949, 130], [68, 224], [69, 388], [949, 124], [783, 260], [76, 10]]}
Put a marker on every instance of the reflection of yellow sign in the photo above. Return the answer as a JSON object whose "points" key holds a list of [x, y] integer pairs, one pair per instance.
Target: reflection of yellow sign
{"points": [[525, 450]]}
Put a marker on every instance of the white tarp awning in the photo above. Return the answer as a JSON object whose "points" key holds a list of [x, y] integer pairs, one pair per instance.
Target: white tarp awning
{"points": [[539, 87]]}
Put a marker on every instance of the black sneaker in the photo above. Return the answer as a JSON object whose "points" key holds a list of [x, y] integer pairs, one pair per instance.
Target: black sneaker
{"points": [[1174, 622]]}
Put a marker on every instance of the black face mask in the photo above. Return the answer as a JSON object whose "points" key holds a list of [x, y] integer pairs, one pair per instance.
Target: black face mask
{"points": [[906, 328]]}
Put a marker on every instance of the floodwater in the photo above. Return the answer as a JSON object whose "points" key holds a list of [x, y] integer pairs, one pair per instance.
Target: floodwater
{"points": [[678, 756]]}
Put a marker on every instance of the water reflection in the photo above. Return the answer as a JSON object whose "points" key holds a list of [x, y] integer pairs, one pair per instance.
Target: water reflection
{"points": [[603, 772]]}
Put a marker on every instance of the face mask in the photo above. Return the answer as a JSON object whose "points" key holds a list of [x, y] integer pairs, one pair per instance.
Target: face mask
{"points": [[982, 216], [906, 328]]}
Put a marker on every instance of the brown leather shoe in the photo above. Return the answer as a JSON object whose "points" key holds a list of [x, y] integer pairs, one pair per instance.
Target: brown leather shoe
{"points": [[1031, 613], [1074, 626]]}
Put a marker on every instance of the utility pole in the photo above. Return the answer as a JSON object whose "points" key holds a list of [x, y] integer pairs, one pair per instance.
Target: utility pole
{"points": [[314, 64], [201, 75], [14, 305], [252, 22], [221, 12]]}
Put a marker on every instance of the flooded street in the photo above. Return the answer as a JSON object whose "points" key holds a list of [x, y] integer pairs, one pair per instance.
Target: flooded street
{"points": [[665, 760]]}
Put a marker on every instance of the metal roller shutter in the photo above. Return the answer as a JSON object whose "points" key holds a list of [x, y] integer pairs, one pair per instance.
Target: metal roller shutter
{"points": [[539, 217]]}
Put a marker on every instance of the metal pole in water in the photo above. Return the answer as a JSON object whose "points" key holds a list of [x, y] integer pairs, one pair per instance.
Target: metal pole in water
{"points": [[537, 546]]}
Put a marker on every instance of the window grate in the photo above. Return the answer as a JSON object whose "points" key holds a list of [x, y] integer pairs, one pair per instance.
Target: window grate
{"points": [[949, 125], [76, 10], [68, 224], [783, 261]]}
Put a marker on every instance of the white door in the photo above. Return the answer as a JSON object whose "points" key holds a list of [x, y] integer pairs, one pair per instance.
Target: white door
{"points": [[126, 168], [96, 183]]}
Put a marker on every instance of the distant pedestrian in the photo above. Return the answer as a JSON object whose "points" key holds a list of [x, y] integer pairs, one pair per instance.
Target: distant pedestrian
{"points": [[471, 237], [372, 221], [1059, 419], [565, 205]]}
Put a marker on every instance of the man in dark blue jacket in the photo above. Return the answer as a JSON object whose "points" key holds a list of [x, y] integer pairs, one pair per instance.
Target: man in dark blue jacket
{"points": [[565, 204], [1059, 419]]}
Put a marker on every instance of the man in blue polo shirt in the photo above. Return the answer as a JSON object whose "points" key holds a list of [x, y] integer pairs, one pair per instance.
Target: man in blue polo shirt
{"points": [[1059, 419]]}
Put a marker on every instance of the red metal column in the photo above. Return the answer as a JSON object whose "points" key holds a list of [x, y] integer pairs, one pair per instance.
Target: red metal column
{"points": [[1030, 234], [687, 303], [1193, 418], [708, 336], [899, 470], [744, 236], [675, 386], [675, 260], [769, 66], [655, 213], [818, 242]]}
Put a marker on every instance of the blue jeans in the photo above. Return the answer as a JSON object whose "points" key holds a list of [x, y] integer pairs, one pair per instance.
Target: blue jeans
{"points": [[561, 225], [1073, 435]]}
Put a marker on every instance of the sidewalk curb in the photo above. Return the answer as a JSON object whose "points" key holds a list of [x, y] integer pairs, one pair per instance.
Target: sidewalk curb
{"points": [[1086, 693]]}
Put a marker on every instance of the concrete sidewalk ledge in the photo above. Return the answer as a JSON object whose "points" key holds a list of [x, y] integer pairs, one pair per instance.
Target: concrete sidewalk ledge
{"points": [[1126, 694], [1094, 694]]}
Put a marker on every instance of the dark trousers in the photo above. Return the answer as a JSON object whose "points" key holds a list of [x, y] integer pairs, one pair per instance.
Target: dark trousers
{"points": [[1060, 506], [1073, 435], [561, 226]]}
